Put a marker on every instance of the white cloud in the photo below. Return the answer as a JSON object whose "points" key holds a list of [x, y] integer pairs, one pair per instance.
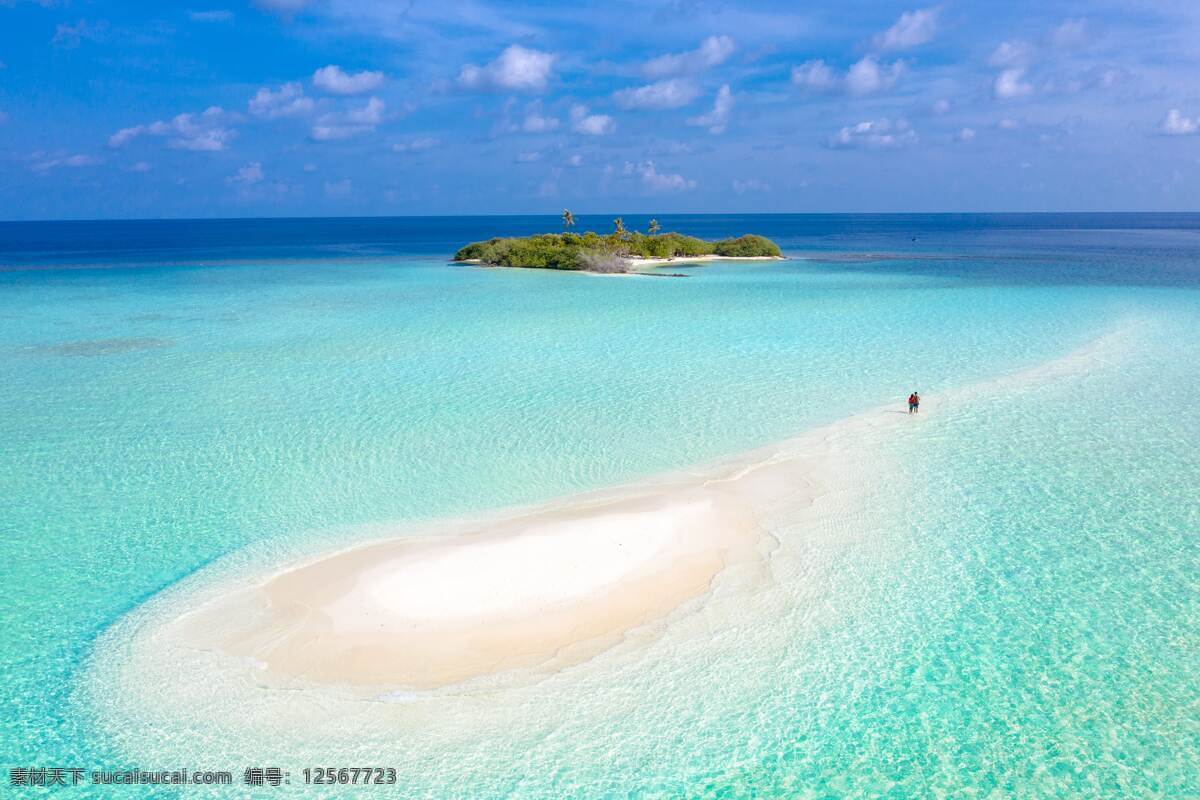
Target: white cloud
{"points": [[965, 135], [575, 160], [334, 80], [1011, 83], [332, 133], [591, 124], [718, 118], [417, 145], [1176, 124], [517, 69], [73, 162], [880, 134], [869, 76], [1008, 124], [816, 75], [248, 175], [866, 76], [672, 93], [941, 107], [1070, 35], [912, 29], [197, 132], [712, 51], [1013, 53], [656, 181], [370, 114], [343, 125], [528, 158], [287, 101], [210, 16], [141, 166], [536, 122]]}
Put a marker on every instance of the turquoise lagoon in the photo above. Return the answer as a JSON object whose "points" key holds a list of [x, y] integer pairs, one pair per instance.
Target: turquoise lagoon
{"points": [[1008, 607]]}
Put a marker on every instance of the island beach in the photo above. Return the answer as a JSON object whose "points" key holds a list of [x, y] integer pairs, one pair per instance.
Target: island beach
{"points": [[642, 263]]}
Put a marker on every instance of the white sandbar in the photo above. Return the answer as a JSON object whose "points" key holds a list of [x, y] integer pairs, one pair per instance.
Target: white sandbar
{"points": [[425, 612]]}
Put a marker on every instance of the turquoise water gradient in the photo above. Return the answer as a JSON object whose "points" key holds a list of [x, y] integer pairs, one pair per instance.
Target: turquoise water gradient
{"points": [[1023, 620]]}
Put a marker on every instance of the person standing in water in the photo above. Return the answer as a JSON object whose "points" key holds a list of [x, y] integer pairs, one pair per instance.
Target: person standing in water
{"points": [[914, 403]]}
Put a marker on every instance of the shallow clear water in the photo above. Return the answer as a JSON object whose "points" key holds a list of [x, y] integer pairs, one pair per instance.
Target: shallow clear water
{"points": [[1022, 617]]}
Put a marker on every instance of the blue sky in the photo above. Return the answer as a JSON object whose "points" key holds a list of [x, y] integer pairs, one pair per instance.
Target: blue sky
{"points": [[337, 107]]}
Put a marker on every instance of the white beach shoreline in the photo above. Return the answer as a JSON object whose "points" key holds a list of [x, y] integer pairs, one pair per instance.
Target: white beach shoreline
{"points": [[638, 261]]}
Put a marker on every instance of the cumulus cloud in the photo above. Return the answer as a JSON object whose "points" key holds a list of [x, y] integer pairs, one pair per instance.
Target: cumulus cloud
{"points": [[248, 175], [1070, 35], [718, 118], [1012, 53], [204, 132], [343, 125], [517, 68], [712, 51], [656, 181], [73, 162], [965, 135], [672, 93], [286, 101], [537, 122], [417, 145], [815, 75], [867, 76], [1011, 83], [912, 29], [1176, 124], [880, 134], [210, 16], [334, 80], [591, 124]]}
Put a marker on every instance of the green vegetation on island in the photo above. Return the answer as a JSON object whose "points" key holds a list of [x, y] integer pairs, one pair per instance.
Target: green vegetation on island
{"points": [[608, 253]]}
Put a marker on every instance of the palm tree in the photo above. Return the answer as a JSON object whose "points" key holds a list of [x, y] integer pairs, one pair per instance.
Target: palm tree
{"points": [[620, 226], [654, 227], [568, 219]]}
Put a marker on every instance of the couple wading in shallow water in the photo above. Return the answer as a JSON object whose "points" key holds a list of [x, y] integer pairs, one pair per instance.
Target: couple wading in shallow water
{"points": [[914, 403]]}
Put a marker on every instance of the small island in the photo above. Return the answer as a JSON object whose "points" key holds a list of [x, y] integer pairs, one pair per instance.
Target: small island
{"points": [[618, 252]]}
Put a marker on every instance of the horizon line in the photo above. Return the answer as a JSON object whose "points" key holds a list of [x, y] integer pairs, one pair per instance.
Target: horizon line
{"points": [[557, 214]]}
